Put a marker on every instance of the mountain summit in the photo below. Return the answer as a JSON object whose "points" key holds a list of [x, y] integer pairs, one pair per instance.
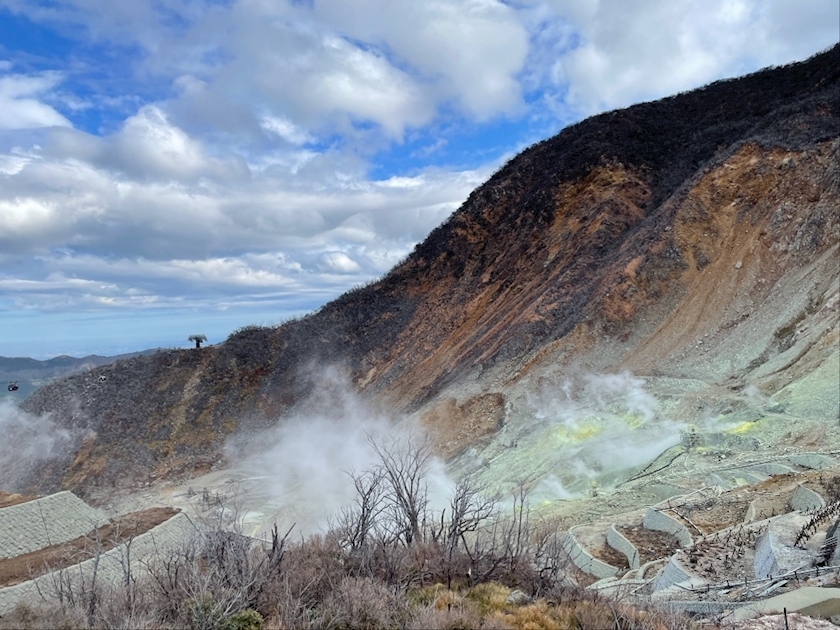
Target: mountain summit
{"points": [[690, 241]]}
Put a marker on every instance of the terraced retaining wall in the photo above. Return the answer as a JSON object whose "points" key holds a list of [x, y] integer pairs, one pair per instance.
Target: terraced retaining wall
{"points": [[814, 461], [584, 560], [617, 541], [161, 539], [52, 520], [773, 468], [805, 500], [774, 551], [661, 522], [675, 573]]}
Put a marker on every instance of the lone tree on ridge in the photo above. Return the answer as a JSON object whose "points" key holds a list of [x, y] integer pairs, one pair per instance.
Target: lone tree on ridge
{"points": [[198, 339]]}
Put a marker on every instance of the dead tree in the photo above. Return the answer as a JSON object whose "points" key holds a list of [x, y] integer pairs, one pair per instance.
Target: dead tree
{"points": [[404, 465], [356, 522], [470, 506]]}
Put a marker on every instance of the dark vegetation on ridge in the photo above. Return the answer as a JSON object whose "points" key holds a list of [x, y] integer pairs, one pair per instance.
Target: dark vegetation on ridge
{"points": [[791, 106], [530, 255]]}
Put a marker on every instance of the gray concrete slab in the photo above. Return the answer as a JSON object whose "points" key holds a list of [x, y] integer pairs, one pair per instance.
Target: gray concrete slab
{"points": [[812, 601]]}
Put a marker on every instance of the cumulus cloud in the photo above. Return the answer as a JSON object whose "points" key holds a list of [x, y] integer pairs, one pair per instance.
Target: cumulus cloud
{"points": [[20, 107], [230, 146], [340, 262], [469, 52], [612, 54], [86, 221]]}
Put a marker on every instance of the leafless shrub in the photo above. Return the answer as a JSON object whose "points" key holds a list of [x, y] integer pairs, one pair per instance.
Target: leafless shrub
{"points": [[387, 561], [403, 465], [451, 618], [363, 603], [43, 616]]}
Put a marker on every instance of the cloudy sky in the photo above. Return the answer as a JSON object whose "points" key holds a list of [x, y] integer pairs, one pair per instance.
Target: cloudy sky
{"points": [[170, 167]]}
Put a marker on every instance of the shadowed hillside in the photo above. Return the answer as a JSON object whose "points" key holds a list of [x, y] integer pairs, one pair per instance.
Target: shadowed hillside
{"points": [[695, 237], [29, 374]]}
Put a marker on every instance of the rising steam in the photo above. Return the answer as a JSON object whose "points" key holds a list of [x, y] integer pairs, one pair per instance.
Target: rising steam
{"points": [[28, 440], [558, 440], [611, 423], [301, 467]]}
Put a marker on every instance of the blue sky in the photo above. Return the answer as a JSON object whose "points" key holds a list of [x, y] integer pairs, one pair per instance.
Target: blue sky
{"points": [[172, 167]]}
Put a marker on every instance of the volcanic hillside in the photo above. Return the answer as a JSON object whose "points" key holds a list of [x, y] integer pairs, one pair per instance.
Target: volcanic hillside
{"points": [[691, 240]]}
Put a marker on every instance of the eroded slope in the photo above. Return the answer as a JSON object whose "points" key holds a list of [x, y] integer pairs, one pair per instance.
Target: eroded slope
{"points": [[693, 238]]}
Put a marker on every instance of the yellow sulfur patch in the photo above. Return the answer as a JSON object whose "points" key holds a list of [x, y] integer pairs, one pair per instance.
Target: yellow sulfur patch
{"points": [[565, 435], [744, 427], [584, 432], [633, 421]]}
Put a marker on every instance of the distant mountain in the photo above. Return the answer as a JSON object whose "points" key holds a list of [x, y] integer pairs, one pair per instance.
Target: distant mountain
{"points": [[29, 374], [692, 241]]}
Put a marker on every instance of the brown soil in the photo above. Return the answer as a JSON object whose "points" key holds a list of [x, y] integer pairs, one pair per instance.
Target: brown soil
{"points": [[30, 565], [455, 426], [611, 556], [712, 518], [652, 545], [8, 499], [773, 497]]}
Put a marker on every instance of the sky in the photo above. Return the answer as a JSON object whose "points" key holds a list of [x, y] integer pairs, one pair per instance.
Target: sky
{"points": [[176, 167]]}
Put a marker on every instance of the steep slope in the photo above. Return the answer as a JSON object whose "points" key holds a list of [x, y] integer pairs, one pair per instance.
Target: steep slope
{"points": [[692, 238]]}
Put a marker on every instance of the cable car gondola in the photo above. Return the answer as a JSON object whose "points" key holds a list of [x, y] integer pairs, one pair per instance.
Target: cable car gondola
{"points": [[13, 386]]}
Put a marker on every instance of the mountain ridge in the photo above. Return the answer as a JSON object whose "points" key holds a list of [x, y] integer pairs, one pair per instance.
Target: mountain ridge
{"points": [[29, 373], [617, 244]]}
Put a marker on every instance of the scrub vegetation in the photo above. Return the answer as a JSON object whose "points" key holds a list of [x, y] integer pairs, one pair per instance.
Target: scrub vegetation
{"points": [[387, 560]]}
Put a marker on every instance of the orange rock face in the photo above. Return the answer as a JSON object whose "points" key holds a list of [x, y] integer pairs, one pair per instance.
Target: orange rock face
{"points": [[693, 237]]}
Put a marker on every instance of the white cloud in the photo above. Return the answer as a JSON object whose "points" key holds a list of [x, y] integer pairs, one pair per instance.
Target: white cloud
{"points": [[340, 262], [19, 217], [232, 166], [54, 282], [328, 66], [469, 51], [19, 107], [286, 130], [84, 228], [623, 52], [149, 144]]}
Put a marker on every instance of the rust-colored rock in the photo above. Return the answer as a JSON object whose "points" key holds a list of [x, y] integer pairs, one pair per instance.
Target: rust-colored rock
{"points": [[693, 237]]}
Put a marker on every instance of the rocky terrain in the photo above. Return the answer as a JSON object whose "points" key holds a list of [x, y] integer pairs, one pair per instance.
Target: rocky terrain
{"points": [[30, 374], [635, 324], [689, 244]]}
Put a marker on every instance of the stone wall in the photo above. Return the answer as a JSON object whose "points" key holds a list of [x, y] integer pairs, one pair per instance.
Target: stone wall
{"points": [[617, 541], [110, 571], [814, 461], [806, 500], [772, 468], [584, 560], [40, 523], [675, 573], [661, 522], [775, 553]]}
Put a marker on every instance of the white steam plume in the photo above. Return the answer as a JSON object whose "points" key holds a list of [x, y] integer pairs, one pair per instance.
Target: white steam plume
{"points": [[605, 425], [299, 469], [27, 440]]}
